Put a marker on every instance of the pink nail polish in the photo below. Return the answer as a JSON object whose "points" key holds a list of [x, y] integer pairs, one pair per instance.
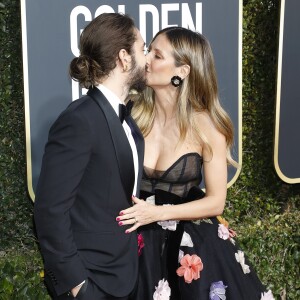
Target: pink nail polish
{"points": [[127, 231], [120, 223], [121, 213], [118, 218]]}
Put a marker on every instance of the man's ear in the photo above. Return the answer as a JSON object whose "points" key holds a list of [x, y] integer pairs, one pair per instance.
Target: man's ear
{"points": [[124, 59], [184, 71]]}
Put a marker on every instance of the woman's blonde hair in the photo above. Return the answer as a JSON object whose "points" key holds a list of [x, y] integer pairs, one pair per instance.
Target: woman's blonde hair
{"points": [[197, 93]]}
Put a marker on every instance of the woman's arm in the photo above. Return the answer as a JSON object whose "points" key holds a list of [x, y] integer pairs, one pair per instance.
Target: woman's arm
{"points": [[215, 175]]}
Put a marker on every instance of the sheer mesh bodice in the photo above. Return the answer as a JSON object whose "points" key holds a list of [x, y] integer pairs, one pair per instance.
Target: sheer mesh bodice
{"points": [[184, 173]]}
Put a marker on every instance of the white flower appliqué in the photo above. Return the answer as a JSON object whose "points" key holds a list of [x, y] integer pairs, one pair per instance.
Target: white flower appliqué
{"points": [[151, 200], [240, 258], [186, 240], [232, 241], [223, 232], [170, 225], [180, 255], [162, 291], [267, 296]]}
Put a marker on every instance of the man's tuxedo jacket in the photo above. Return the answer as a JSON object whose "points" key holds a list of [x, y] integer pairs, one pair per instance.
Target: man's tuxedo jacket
{"points": [[87, 178]]}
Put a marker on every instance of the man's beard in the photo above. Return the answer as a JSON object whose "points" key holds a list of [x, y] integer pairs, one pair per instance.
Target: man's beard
{"points": [[137, 79]]}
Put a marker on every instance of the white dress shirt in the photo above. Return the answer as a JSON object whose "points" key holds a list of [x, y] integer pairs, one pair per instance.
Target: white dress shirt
{"points": [[114, 102]]}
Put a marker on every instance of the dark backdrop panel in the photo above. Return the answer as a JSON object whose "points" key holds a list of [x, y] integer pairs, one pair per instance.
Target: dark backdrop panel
{"points": [[51, 31], [287, 137]]}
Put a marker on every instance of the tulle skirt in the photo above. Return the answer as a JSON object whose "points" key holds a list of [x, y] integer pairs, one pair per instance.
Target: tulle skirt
{"points": [[197, 260]]}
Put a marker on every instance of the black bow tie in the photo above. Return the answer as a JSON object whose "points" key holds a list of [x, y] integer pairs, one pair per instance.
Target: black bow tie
{"points": [[124, 111]]}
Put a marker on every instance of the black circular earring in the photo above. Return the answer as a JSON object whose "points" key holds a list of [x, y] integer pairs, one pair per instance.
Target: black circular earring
{"points": [[176, 81]]}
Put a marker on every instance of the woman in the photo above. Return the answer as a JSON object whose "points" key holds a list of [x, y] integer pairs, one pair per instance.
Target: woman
{"points": [[185, 250]]}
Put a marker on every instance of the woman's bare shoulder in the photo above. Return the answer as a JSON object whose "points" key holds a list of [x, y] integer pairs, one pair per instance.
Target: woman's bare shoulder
{"points": [[207, 126]]}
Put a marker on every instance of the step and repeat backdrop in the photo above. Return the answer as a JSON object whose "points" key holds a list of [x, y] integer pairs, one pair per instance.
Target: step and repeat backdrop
{"points": [[287, 128], [50, 34]]}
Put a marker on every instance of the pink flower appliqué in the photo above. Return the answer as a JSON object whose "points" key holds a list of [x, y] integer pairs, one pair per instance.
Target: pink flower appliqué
{"points": [[191, 266], [141, 243], [222, 233]]}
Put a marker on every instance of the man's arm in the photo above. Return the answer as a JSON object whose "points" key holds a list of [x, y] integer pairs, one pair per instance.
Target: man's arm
{"points": [[66, 156]]}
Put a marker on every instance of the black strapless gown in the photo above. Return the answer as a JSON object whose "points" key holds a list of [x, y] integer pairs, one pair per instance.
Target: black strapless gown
{"points": [[224, 272]]}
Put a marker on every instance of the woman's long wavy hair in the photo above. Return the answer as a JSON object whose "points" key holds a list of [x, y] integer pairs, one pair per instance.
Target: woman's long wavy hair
{"points": [[198, 92]]}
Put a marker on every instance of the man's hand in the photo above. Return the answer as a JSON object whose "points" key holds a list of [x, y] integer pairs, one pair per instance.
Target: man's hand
{"points": [[76, 289]]}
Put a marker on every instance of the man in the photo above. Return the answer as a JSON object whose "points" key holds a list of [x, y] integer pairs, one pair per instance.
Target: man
{"points": [[91, 168]]}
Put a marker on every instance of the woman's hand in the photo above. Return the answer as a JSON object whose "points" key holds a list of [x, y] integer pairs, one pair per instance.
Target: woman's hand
{"points": [[141, 213]]}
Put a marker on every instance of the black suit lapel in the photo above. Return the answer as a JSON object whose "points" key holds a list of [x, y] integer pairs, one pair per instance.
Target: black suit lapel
{"points": [[120, 141], [140, 146]]}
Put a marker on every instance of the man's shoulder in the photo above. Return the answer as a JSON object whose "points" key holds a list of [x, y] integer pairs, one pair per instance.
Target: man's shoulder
{"points": [[80, 110], [82, 104]]}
